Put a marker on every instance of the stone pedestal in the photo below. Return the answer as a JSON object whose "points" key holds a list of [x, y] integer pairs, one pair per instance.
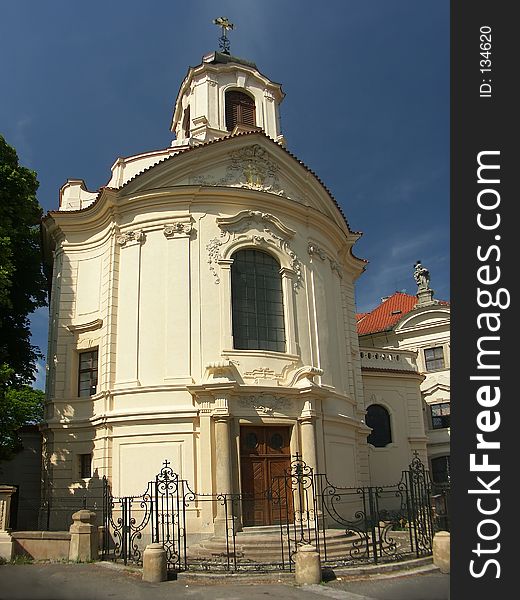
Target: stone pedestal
{"points": [[441, 551], [307, 568], [154, 563], [83, 536], [6, 542]]}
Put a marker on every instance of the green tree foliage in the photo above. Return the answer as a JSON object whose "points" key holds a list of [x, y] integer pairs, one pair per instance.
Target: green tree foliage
{"points": [[19, 405], [22, 290], [22, 282]]}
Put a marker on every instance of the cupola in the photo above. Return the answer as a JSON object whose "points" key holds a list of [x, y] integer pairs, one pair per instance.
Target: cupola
{"points": [[222, 96]]}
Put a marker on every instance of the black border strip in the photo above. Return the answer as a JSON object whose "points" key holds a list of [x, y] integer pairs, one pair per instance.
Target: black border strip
{"points": [[483, 120]]}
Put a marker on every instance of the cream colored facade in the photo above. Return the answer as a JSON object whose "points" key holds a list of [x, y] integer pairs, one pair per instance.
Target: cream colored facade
{"points": [[425, 327], [142, 273], [391, 379]]}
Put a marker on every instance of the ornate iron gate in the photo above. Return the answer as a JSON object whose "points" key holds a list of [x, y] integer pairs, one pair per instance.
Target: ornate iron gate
{"points": [[381, 522], [370, 523], [157, 516]]}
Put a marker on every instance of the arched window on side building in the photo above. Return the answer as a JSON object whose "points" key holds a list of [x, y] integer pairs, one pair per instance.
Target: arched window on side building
{"points": [[378, 419]]}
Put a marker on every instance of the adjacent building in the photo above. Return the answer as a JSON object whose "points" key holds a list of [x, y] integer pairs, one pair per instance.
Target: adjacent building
{"points": [[419, 324]]}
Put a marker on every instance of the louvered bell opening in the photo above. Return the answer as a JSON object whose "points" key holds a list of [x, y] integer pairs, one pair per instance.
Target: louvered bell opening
{"points": [[186, 123], [240, 110]]}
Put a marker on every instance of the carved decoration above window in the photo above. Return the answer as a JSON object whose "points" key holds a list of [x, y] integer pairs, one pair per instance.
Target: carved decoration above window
{"points": [[315, 250], [253, 228]]}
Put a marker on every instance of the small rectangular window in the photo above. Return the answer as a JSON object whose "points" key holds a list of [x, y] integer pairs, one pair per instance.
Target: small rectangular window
{"points": [[85, 466], [434, 358], [440, 415], [88, 373]]}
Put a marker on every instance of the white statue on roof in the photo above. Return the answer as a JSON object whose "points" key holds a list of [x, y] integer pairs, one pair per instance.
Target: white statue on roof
{"points": [[421, 276]]}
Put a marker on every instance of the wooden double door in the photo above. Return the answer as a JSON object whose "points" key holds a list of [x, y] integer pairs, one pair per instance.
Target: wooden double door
{"points": [[265, 457]]}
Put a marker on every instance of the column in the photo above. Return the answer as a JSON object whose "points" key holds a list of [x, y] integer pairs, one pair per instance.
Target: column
{"points": [[309, 455], [308, 438], [223, 477]]}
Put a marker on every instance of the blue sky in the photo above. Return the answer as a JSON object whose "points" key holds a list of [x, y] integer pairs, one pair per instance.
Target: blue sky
{"points": [[366, 107]]}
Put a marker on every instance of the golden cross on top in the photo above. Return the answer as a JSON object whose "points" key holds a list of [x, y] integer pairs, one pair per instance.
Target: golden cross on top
{"points": [[223, 40]]}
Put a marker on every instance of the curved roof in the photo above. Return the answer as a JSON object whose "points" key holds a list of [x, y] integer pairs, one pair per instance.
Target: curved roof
{"points": [[199, 147]]}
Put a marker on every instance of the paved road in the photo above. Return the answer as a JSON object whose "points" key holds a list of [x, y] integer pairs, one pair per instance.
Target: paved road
{"points": [[95, 582], [431, 585]]}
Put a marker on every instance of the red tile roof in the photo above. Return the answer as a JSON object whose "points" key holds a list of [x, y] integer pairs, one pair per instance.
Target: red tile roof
{"points": [[388, 313]]}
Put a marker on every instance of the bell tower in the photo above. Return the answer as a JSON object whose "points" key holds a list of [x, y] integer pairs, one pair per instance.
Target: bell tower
{"points": [[225, 95]]}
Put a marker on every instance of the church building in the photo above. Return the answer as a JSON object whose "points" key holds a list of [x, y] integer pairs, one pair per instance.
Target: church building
{"points": [[202, 311]]}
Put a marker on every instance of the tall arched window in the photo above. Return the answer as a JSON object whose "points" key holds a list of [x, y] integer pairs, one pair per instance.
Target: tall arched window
{"points": [[240, 110], [378, 419], [256, 291]]}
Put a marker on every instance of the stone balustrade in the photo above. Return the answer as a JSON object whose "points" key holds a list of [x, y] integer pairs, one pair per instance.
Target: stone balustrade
{"points": [[384, 359]]}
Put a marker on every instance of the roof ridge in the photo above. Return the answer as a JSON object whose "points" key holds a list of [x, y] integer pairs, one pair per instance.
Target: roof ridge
{"points": [[215, 141]]}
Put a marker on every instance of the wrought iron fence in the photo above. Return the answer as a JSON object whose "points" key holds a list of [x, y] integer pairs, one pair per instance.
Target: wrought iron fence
{"points": [[346, 525], [381, 522]]}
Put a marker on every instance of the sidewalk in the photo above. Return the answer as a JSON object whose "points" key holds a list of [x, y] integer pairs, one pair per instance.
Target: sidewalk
{"points": [[62, 581]]}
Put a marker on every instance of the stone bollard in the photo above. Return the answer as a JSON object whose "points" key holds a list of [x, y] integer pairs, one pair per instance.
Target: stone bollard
{"points": [[6, 541], [441, 551], [83, 536], [154, 563], [307, 567]]}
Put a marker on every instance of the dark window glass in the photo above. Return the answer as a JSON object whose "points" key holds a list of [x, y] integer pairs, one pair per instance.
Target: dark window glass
{"points": [[256, 289], [276, 441], [88, 373], [240, 109], [251, 440], [434, 358], [440, 415], [186, 122], [441, 469], [378, 420], [85, 466]]}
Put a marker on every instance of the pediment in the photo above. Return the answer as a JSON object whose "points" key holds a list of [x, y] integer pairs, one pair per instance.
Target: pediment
{"points": [[435, 384], [248, 161], [432, 317]]}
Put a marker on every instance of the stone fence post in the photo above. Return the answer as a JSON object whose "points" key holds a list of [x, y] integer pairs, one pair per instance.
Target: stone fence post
{"points": [[307, 567], [83, 536], [6, 541], [441, 551], [154, 563]]}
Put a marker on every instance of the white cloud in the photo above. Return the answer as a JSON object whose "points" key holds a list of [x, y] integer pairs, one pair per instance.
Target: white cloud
{"points": [[39, 382]]}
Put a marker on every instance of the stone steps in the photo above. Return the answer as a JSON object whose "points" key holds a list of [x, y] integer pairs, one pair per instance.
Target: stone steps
{"points": [[266, 546]]}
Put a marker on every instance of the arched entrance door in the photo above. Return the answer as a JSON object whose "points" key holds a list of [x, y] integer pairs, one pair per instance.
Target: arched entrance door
{"points": [[264, 458]]}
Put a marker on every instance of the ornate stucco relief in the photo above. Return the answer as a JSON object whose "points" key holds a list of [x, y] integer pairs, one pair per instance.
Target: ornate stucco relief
{"points": [[263, 375], [129, 238], [257, 228], [178, 229], [315, 250], [266, 403], [251, 168]]}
